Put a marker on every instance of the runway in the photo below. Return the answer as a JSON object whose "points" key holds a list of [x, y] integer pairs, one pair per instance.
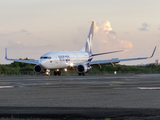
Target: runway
{"points": [[108, 96]]}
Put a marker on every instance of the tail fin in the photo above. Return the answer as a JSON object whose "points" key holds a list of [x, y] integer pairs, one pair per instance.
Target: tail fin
{"points": [[89, 42]]}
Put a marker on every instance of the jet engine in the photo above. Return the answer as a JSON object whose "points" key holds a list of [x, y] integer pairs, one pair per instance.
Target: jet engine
{"points": [[83, 68], [38, 69]]}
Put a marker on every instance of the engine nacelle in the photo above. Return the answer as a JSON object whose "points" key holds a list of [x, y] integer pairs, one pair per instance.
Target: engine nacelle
{"points": [[83, 68], [38, 69]]}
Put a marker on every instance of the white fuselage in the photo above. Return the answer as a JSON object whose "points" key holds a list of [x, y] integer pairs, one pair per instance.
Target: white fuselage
{"points": [[62, 59]]}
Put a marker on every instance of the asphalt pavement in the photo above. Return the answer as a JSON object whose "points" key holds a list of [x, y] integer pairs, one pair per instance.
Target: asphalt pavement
{"points": [[81, 97]]}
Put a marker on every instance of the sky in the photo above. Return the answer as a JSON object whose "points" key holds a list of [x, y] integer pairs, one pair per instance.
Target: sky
{"points": [[30, 28]]}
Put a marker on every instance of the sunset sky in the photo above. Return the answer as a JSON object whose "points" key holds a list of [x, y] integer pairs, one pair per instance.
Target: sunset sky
{"points": [[29, 28]]}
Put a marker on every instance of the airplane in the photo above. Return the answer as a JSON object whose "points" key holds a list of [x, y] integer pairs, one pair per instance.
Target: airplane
{"points": [[79, 60]]}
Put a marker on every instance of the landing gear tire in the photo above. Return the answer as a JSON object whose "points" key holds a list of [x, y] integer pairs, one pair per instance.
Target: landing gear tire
{"points": [[81, 74], [59, 73], [55, 73]]}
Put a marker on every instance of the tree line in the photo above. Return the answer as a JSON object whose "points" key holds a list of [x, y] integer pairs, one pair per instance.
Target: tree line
{"points": [[16, 66], [152, 68]]}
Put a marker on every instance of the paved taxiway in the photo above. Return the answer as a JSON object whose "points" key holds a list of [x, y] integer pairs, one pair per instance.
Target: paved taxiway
{"points": [[102, 93]]}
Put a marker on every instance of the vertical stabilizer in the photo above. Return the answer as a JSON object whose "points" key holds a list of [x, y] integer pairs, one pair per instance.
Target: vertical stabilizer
{"points": [[89, 42]]}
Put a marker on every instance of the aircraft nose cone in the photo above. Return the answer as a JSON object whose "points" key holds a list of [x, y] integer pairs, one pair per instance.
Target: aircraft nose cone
{"points": [[42, 63]]}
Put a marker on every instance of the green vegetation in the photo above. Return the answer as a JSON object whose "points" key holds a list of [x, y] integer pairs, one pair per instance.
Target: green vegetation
{"points": [[124, 69], [16, 68]]}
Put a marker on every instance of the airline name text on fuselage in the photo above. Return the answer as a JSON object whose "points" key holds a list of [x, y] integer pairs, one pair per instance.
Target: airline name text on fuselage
{"points": [[64, 58]]}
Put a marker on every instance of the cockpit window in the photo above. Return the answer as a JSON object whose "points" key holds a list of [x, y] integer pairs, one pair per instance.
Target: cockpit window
{"points": [[45, 58]]}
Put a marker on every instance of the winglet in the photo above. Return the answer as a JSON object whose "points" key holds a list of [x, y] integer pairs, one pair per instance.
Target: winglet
{"points": [[5, 53], [153, 52]]}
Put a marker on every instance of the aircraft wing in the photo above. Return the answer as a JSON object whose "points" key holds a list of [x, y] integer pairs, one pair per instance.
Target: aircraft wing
{"points": [[31, 61], [107, 53], [116, 60]]}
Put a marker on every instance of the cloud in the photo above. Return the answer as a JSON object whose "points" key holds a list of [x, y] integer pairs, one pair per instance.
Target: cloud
{"points": [[18, 49], [22, 31], [25, 31], [2, 34], [112, 32], [103, 26], [16, 44], [105, 39], [126, 33], [144, 27]]}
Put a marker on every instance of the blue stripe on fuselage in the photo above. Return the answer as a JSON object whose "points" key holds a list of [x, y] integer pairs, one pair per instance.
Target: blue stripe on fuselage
{"points": [[90, 59], [90, 56]]}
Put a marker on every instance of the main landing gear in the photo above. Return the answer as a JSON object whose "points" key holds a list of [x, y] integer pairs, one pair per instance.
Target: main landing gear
{"points": [[57, 72], [81, 74]]}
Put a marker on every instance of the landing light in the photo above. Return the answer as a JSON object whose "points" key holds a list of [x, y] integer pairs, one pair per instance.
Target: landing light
{"points": [[71, 64], [65, 70]]}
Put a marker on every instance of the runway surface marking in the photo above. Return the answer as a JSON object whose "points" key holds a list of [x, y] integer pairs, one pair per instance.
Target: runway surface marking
{"points": [[6, 86], [115, 82], [149, 88]]}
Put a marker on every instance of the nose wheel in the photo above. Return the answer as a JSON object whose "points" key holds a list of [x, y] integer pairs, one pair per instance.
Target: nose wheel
{"points": [[57, 73]]}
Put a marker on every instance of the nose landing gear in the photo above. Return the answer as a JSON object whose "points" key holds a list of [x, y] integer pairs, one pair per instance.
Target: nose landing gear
{"points": [[57, 72]]}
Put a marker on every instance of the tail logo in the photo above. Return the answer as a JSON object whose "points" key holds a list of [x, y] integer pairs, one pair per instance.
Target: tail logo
{"points": [[89, 44]]}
